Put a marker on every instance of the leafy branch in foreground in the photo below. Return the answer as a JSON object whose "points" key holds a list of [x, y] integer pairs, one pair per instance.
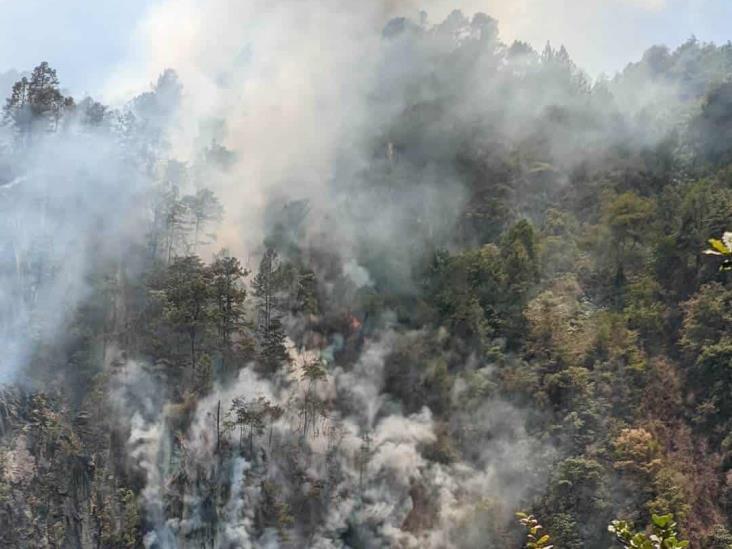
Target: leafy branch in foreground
{"points": [[534, 538], [722, 248], [664, 534]]}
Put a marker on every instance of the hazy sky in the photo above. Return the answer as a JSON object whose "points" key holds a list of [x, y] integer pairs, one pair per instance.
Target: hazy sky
{"points": [[87, 40]]}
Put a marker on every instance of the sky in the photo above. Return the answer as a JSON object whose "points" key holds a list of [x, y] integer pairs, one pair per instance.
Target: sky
{"points": [[88, 41]]}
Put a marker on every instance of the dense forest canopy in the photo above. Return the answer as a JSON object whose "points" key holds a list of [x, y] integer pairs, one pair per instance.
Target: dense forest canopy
{"points": [[482, 283]]}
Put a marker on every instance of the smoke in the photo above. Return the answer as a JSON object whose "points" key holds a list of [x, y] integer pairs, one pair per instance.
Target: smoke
{"points": [[316, 104], [367, 462], [381, 126], [70, 199], [236, 525]]}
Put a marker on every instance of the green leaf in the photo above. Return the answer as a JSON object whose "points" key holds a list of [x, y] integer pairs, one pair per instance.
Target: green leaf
{"points": [[719, 246], [661, 520]]}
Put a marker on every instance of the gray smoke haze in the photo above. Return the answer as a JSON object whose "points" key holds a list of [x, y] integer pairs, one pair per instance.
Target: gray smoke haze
{"points": [[319, 104], [367, 461], [72, 197], [316, 103], [74, 203]]}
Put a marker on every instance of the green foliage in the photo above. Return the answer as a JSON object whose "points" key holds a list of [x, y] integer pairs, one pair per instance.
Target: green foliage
{"points": [[129, 533], [520, 257], [229, 295], [417, 374], [274, 512], [707, 317], [248, 415], [203, 208], [578, 490], [719, 538], [559, 323], [627, 217], [269, 287], [663, 536], [565, 531], [646, 311], [479, 294], [467, 292], [535, 538], [723, 249], [186, 293], [706, 337], [539, 269], [712, 124], [36, 103]]}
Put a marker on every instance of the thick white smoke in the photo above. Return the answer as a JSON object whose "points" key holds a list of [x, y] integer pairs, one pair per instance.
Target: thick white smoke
{"points": [[370, 461], [72, 198], [311, 99]]}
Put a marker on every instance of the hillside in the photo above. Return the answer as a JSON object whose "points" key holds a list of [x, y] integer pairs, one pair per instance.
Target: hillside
{"points": [[469, 281]]}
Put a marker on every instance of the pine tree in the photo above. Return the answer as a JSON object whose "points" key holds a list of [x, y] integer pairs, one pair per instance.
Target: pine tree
{"points": [[268, 285], [202, 208], [36, 103], [46, 100], [186, 294], [17, 110], [228, 296]]}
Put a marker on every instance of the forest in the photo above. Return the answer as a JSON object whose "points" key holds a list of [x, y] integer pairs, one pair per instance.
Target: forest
{"points": [[493, 309]]}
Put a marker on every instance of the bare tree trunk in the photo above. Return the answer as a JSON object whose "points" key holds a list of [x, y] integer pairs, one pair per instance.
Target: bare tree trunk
{"points": [[218, 427], [3, 414], [195, 234], [193, 350]]}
